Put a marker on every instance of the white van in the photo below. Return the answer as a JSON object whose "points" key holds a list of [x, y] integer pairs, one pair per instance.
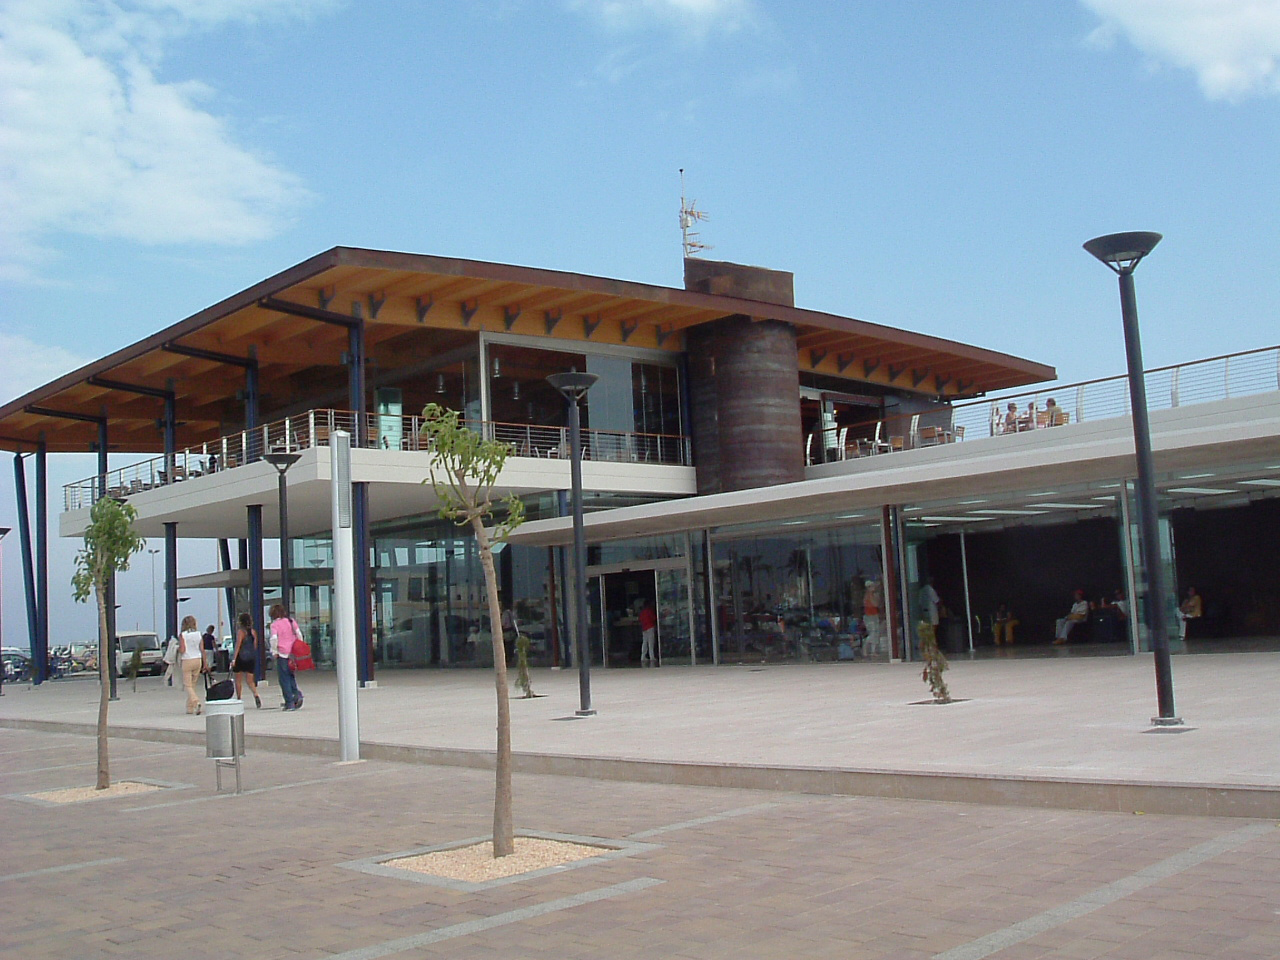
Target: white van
{"points": [[146, 641]]}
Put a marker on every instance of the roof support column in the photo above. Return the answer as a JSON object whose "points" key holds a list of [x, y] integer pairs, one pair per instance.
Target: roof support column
{"points": [[255, 589], [251, 412], [170, 433], [170, 580], [108, 642], [364, 609], [24, 537], [355, 382], [224, 554], [41, 655]]}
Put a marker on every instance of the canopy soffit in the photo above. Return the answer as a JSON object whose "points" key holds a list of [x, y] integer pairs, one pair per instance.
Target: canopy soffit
{"points": [[415, 306]]}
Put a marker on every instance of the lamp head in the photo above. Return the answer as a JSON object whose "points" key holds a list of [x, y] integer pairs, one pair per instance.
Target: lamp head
{"points": [[573, 385], [282, 461], [1123, 251]]}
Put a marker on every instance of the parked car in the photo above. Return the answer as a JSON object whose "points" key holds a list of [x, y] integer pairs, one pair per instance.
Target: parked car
{"points": [[152, 654]]}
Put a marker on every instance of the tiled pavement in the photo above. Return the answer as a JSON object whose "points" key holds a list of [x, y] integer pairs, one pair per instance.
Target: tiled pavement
{"points": [[735, 873]]}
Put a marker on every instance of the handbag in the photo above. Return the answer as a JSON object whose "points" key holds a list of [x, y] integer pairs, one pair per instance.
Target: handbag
{"points": [[300, 655]]}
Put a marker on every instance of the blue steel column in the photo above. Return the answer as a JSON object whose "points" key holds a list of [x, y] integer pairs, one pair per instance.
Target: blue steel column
{"points": [[360, 505], [224, 553], [255, 587], [111, 582], [170, 580], [41, 656], [251, 411], [364, 610], [24, 537]]}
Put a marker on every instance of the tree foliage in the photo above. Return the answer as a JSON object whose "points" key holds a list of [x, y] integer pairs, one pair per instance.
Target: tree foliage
{"points": [[935, 662], [109, 542], [464, 470]]}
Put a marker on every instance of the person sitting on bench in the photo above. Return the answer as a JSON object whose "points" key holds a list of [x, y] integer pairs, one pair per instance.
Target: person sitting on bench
{"points": [[1079, 613]]}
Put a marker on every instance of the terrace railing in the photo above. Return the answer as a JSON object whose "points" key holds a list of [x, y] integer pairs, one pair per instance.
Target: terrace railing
{"points": [[385, 431], [1244, 374]]}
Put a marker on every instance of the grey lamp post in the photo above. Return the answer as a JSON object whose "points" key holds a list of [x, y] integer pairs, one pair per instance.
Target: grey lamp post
{"points": [[574, 386], [1122, 252], [282, 462]]}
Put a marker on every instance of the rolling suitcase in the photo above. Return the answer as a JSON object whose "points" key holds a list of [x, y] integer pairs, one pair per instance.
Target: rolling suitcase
{"points": [[222, 690]]}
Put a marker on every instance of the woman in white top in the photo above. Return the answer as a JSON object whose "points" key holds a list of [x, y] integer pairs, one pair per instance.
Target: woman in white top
{"points": [[191, 656]]}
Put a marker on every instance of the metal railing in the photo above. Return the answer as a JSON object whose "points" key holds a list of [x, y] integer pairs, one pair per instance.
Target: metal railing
{"points": [[381, 430], [1249, 373]]}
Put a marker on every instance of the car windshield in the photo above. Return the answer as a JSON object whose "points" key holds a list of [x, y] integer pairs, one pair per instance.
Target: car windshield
{"points": [[145, 642]]}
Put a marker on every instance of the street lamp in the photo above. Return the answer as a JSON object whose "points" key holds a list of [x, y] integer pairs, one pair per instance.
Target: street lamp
{"points": [[1122, 252], [282, 462], [574, 386], [153, 591]]}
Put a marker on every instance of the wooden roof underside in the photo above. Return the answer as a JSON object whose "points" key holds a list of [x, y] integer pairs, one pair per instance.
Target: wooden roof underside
{"points": [[401, 297]]}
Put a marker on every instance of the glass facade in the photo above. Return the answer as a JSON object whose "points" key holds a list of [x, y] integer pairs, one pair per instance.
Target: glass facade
{"points": [[814, 594]]}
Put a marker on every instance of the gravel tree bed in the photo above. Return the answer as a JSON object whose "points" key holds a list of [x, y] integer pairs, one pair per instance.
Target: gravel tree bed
{"points": [[476, 863]]}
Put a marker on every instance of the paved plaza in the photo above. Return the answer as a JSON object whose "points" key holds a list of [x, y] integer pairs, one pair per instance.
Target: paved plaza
{"points": [[719, 871]]}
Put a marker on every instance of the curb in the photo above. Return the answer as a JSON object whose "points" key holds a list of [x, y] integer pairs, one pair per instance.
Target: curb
{"points": [[1113, 796]]}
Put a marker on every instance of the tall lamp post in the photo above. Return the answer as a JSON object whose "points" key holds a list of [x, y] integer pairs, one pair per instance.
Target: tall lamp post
{"points": [[574, 386], [282, 462], [1122, 252]]}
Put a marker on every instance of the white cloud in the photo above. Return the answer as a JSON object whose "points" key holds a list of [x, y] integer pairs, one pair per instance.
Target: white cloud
{"points": [[694, 19], [25, 364], [92, 142], [1233, 46]]}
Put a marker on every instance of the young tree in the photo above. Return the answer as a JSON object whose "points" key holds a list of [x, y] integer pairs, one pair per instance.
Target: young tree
{"points": [[465, 468], [109, 542]]}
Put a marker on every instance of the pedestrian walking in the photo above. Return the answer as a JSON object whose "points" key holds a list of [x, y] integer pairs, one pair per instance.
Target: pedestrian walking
{"points": [[285, 633], [191, 658], [244, 658]]}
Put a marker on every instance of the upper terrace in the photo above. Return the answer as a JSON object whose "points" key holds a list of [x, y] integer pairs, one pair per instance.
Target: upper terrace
{"points": [[659, 464]]}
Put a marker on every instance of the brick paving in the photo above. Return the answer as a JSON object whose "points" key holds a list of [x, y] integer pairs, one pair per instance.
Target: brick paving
{"points": [[735, 873]]}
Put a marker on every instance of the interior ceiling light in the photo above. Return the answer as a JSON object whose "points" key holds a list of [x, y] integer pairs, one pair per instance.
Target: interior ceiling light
{"points": [[440, 383], [951, 519], [1196, 476], [1013, 513], [1262, 483], [1047, 493], [497, 368], [1072, 506], [965, 503], [1199, 491]]}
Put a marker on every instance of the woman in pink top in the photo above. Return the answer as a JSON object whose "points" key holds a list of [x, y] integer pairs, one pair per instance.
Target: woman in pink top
{"points": [[286, 634]]}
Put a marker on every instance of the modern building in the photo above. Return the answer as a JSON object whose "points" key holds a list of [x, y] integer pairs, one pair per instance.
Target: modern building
{"points": [[780, 482]]}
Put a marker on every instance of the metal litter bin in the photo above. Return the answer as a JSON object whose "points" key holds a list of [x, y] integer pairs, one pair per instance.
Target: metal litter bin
{"points": [[224, 736]]}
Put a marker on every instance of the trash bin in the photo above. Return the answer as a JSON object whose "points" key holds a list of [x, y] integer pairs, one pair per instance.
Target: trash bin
{"points": [[224, 736], [224, 729]]}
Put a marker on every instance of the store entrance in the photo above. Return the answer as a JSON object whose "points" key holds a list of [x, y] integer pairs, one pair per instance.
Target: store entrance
{"points": [[622, 597], [618, 595]]}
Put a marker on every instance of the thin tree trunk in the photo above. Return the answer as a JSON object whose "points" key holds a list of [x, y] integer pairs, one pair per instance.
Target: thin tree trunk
{"points": [[503, 829], [104, 687]]}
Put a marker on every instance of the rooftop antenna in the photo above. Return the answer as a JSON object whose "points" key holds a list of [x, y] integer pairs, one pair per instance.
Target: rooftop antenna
{"points": [[689, 215]]}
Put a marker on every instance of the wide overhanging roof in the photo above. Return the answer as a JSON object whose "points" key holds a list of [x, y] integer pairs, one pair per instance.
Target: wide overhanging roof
{"points": [[288, 325]]}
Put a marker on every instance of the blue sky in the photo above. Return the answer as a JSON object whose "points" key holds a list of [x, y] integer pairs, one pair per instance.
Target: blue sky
{"points": [[930, 165]]}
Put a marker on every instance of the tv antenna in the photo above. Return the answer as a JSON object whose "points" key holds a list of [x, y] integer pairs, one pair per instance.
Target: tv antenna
{"points": [[689, 216]]}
